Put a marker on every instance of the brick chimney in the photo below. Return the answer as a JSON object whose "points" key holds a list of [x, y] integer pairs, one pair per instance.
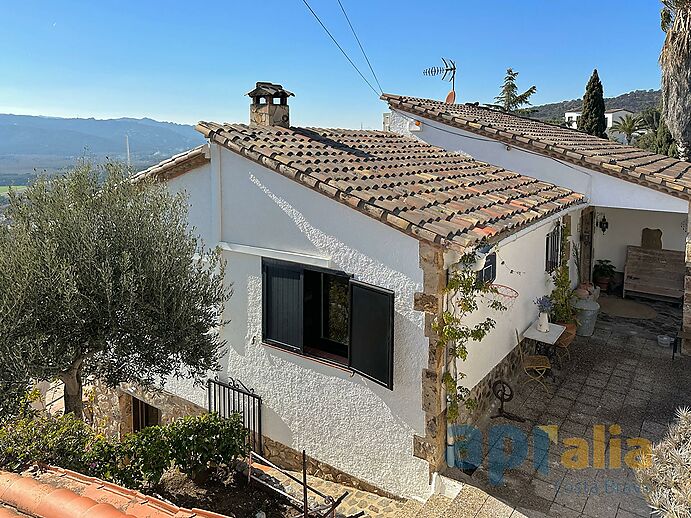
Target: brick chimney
{"points": [[269, 105]]}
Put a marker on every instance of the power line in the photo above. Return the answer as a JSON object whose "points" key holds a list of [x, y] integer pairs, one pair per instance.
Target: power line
{"points": [[361, 47], [340, 48]]}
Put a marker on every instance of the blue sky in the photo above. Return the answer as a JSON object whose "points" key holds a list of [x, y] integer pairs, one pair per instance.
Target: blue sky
{"points": [[186, 61]]}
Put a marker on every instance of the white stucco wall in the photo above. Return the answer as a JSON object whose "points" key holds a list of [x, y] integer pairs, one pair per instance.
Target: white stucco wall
{"points": [[625, 228], [602, 190], [520, 265], [196, 185], [339, 418]]}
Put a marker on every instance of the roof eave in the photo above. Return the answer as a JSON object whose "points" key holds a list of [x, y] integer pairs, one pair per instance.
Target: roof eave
{"points": [[549, 150]]}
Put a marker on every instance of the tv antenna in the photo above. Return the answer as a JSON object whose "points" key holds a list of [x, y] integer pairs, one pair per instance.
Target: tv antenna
{"points": [[447, 73]]}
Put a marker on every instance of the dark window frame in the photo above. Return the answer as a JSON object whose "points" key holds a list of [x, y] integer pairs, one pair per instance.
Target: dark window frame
{"points": [[317, 348], [488, 273], [553, 248], [144, 415]]}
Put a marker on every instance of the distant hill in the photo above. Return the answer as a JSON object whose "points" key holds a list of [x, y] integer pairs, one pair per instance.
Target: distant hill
{"points": [[636, 101], [30, 143]]}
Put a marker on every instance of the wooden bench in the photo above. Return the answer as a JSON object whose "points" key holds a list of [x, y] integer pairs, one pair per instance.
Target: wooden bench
{"points": [[654, 273]]}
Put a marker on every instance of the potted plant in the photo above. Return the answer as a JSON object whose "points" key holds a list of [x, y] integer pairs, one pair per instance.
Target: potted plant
{"points": [[563, 312], [603, 273], [544, 305]]}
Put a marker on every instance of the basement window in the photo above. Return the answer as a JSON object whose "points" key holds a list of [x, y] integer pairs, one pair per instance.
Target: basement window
{"points": [[327, 314], [144, 415]]}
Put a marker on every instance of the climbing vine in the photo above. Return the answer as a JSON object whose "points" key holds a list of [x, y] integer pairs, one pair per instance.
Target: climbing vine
{"points": [[454, 333]]}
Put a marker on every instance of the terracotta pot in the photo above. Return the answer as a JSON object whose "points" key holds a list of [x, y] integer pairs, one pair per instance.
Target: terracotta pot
{"points": [[581, 293], [570, 327], [603, 282]]}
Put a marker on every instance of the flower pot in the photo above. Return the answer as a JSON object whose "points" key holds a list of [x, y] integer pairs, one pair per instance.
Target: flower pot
{"points": [[570, 327], [581, 293], [603, 283], [543, 322]]}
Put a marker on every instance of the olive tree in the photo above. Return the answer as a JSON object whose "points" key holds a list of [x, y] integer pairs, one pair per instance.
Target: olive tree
{"points": [[101, 277]]}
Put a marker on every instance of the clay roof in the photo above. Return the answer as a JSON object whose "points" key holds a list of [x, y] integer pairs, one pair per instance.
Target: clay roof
{"points": [[658, 172], [59, 493], [423, 190], [176, 164]]}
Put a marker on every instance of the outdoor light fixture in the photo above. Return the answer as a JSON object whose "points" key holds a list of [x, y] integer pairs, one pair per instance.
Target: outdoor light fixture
{"points": [[603, 224]]}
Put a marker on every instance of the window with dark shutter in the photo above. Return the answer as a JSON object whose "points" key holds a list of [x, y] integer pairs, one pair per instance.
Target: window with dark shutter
{"points": [[283, 304], [327, 314], [371, 332]]}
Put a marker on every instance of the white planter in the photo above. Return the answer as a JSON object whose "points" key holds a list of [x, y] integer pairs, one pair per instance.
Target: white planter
{"points": [[543, 322]]}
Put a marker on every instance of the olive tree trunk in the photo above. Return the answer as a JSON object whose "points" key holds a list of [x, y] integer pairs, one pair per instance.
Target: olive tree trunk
{"points": [[73, 392]]}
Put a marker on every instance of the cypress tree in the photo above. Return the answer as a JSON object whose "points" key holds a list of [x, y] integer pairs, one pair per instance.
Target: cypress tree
{"points": [[592, 118]]}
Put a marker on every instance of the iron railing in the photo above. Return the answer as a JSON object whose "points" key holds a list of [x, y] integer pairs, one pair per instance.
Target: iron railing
{"points": [[234, 397]]}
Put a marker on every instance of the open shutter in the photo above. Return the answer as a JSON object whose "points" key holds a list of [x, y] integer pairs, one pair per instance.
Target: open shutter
{"points": [[371, 332], [282, 303]]}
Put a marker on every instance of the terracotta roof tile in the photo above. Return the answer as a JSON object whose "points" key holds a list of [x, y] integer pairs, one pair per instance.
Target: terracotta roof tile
{"points": [[177, 164], [57, 493], [430, 193], [657, 172]]}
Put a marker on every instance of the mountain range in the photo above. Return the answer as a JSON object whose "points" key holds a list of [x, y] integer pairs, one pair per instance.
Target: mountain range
{"points": [[635, 101], [31, 144]]}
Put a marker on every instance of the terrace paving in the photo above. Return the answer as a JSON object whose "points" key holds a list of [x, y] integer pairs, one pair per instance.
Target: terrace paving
{"points": [[619, 376]]}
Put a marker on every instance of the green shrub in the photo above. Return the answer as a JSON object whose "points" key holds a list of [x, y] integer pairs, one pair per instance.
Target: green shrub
{"points": [[102, 459], [60, 441], [194, 444], [143, 457], [203, 442]]}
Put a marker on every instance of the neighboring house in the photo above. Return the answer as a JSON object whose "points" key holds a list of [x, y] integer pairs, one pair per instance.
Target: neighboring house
{"points": [[636, 197], [612, 116], [339, 244]]}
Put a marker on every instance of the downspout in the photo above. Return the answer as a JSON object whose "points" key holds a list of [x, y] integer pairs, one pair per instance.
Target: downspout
{"points": [[451, 261], [450, 436]]}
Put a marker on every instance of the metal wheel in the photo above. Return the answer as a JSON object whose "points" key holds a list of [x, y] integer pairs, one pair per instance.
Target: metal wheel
{"points": [[502, 391]]}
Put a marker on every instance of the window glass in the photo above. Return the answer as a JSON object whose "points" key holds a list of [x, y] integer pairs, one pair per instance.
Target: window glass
{"points": [[489, 271], [553, 249], [336, 315]]}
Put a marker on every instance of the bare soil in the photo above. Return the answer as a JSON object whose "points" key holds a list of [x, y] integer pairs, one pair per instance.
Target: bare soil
{"points": [[233, 497]]}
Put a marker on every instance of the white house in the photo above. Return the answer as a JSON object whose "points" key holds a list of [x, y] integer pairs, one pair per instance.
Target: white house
{"points": [[636, 197], [612, 116], [338, 245]]}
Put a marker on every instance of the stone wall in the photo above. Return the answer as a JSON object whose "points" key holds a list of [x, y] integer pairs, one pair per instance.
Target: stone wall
{"points": [[432, 446], [111, 408], [482, 394], [290, 459]]}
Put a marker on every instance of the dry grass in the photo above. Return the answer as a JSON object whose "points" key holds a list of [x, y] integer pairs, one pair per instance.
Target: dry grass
{"points": [[666, 481]]}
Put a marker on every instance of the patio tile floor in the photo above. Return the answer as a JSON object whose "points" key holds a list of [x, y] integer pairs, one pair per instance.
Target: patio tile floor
{"points": [[619, 376]]}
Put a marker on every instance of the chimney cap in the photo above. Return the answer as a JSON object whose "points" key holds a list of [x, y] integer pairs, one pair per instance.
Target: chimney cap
{"points": [[267, 89]]}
